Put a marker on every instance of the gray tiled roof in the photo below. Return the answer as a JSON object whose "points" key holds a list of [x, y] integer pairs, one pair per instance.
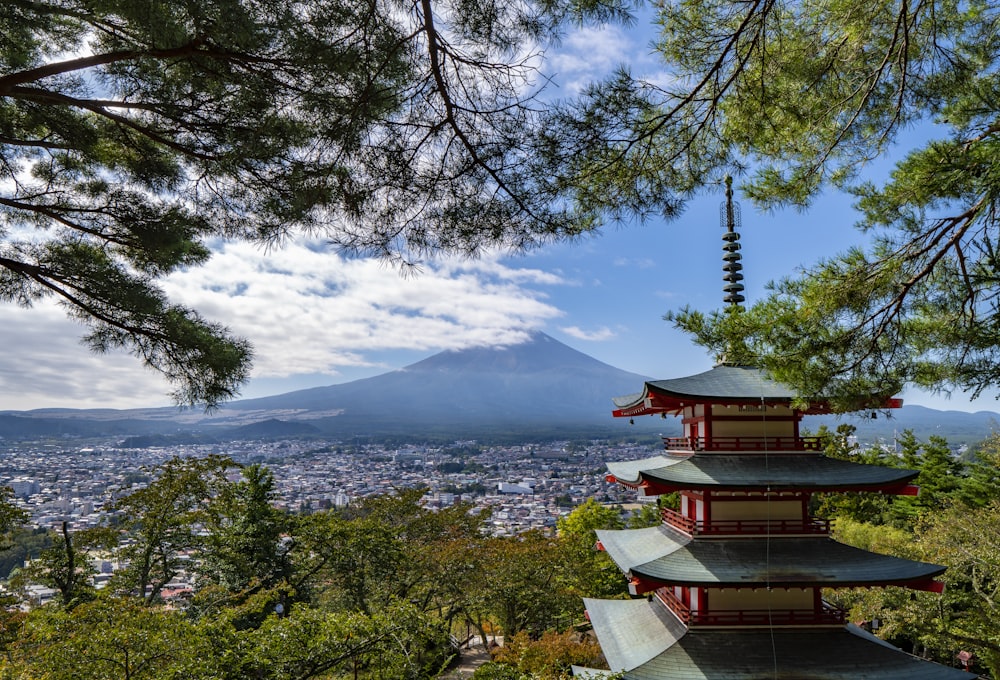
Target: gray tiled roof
{"points": [[632, 547], [650, 630], [628, 471], [736, 383], [627, 399], [811, 471], [668, 556], [786, 654]]}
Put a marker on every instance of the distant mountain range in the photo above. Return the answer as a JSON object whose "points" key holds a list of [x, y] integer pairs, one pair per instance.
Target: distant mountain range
{"points": [[539, 389]]}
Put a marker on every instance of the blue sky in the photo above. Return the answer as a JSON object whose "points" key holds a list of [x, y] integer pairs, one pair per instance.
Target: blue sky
{"points": [[316, 319]]}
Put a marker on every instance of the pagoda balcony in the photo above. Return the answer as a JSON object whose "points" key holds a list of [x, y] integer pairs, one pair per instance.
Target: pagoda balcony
{"points": [[827, 615], [745, 527], [744, 444]]}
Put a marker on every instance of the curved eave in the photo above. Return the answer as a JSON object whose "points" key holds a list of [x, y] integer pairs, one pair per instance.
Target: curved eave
{"points": [[632, 632], [662, 556], [722, 385], [839, 654], [629, 472], [807, 472], [653, 401], [782, 563]]}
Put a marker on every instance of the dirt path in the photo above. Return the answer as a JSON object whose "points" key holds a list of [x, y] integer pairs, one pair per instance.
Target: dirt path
{"points": [[469, 660]]}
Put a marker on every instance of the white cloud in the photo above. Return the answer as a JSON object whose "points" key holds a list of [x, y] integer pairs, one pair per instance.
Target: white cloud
{"points": [[305, 311], [635, 263], [602, 333], [589, 54], [44, 364]]}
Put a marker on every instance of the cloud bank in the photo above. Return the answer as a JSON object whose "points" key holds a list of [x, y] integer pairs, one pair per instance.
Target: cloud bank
{"points": [[306, 310]]}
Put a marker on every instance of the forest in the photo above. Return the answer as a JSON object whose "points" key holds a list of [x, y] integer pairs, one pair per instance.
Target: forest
{"points": [[387, 588]]}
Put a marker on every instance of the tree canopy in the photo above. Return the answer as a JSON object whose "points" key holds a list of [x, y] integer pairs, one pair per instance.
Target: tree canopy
{"points": [[214, 581], [133, 136], [796, 98], [136, 135]]}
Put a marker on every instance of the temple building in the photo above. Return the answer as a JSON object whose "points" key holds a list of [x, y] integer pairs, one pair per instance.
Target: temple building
{"points": [[730, 586]]}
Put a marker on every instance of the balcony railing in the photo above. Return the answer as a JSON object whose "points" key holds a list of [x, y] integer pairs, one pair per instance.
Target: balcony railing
{"points": [[745, 527], [752, 444], [827, 615]]}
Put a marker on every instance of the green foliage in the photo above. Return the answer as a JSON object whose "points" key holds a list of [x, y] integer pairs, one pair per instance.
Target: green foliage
{"points": [[982, 483], [520, 583], [399, 642], [26, 544], [965, 616], [65, 565], [11, 516], [15, 545], [497, 671], [110, 639], [135, 136], [883, 539], [797, 98], [590, 573], [161, 521], [939, 480], [550, 657], [580, 524], [121, 638], [874, 508], [371, 591], [245, 548], [650, 515]]}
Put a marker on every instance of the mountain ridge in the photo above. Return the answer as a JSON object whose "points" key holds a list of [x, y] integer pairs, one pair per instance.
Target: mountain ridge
{"points": [[538, 388]]}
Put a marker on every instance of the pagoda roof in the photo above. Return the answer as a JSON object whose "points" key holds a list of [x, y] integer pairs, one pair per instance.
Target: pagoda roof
{"points": [[644, 640], [661, 555], [723, 471], [745, 383], [722, 384]]}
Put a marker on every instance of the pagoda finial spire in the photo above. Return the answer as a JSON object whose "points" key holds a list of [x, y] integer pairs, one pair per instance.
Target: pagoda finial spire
{"points": [[730, 219]]}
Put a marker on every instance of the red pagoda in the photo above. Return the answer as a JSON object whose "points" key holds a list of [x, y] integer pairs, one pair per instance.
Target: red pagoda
{"points": [[730, 586]]}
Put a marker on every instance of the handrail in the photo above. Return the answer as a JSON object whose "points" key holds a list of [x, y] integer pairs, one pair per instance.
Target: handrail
{"points": [[745, 527], [826, 615], [769, 444]]}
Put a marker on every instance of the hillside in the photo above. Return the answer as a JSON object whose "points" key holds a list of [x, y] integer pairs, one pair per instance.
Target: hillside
{"points": [[539, 389]]}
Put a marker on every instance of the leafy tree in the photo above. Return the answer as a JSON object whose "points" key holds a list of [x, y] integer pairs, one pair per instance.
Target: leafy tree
{"points": [[315, 643], [26, 544], [965, 616], [883, 539], [968, 543], [650, 514], [519, 582], [66, 565], [798, 97], [111, 639], [580, 525], [161, 521], [590, 572], [550, 657], [939, 480], [389, 547], [13, 539], [133, 136], [11, 516], [245, 547], [358, 563], [492, 670], [981, 485], [868, 507]]}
